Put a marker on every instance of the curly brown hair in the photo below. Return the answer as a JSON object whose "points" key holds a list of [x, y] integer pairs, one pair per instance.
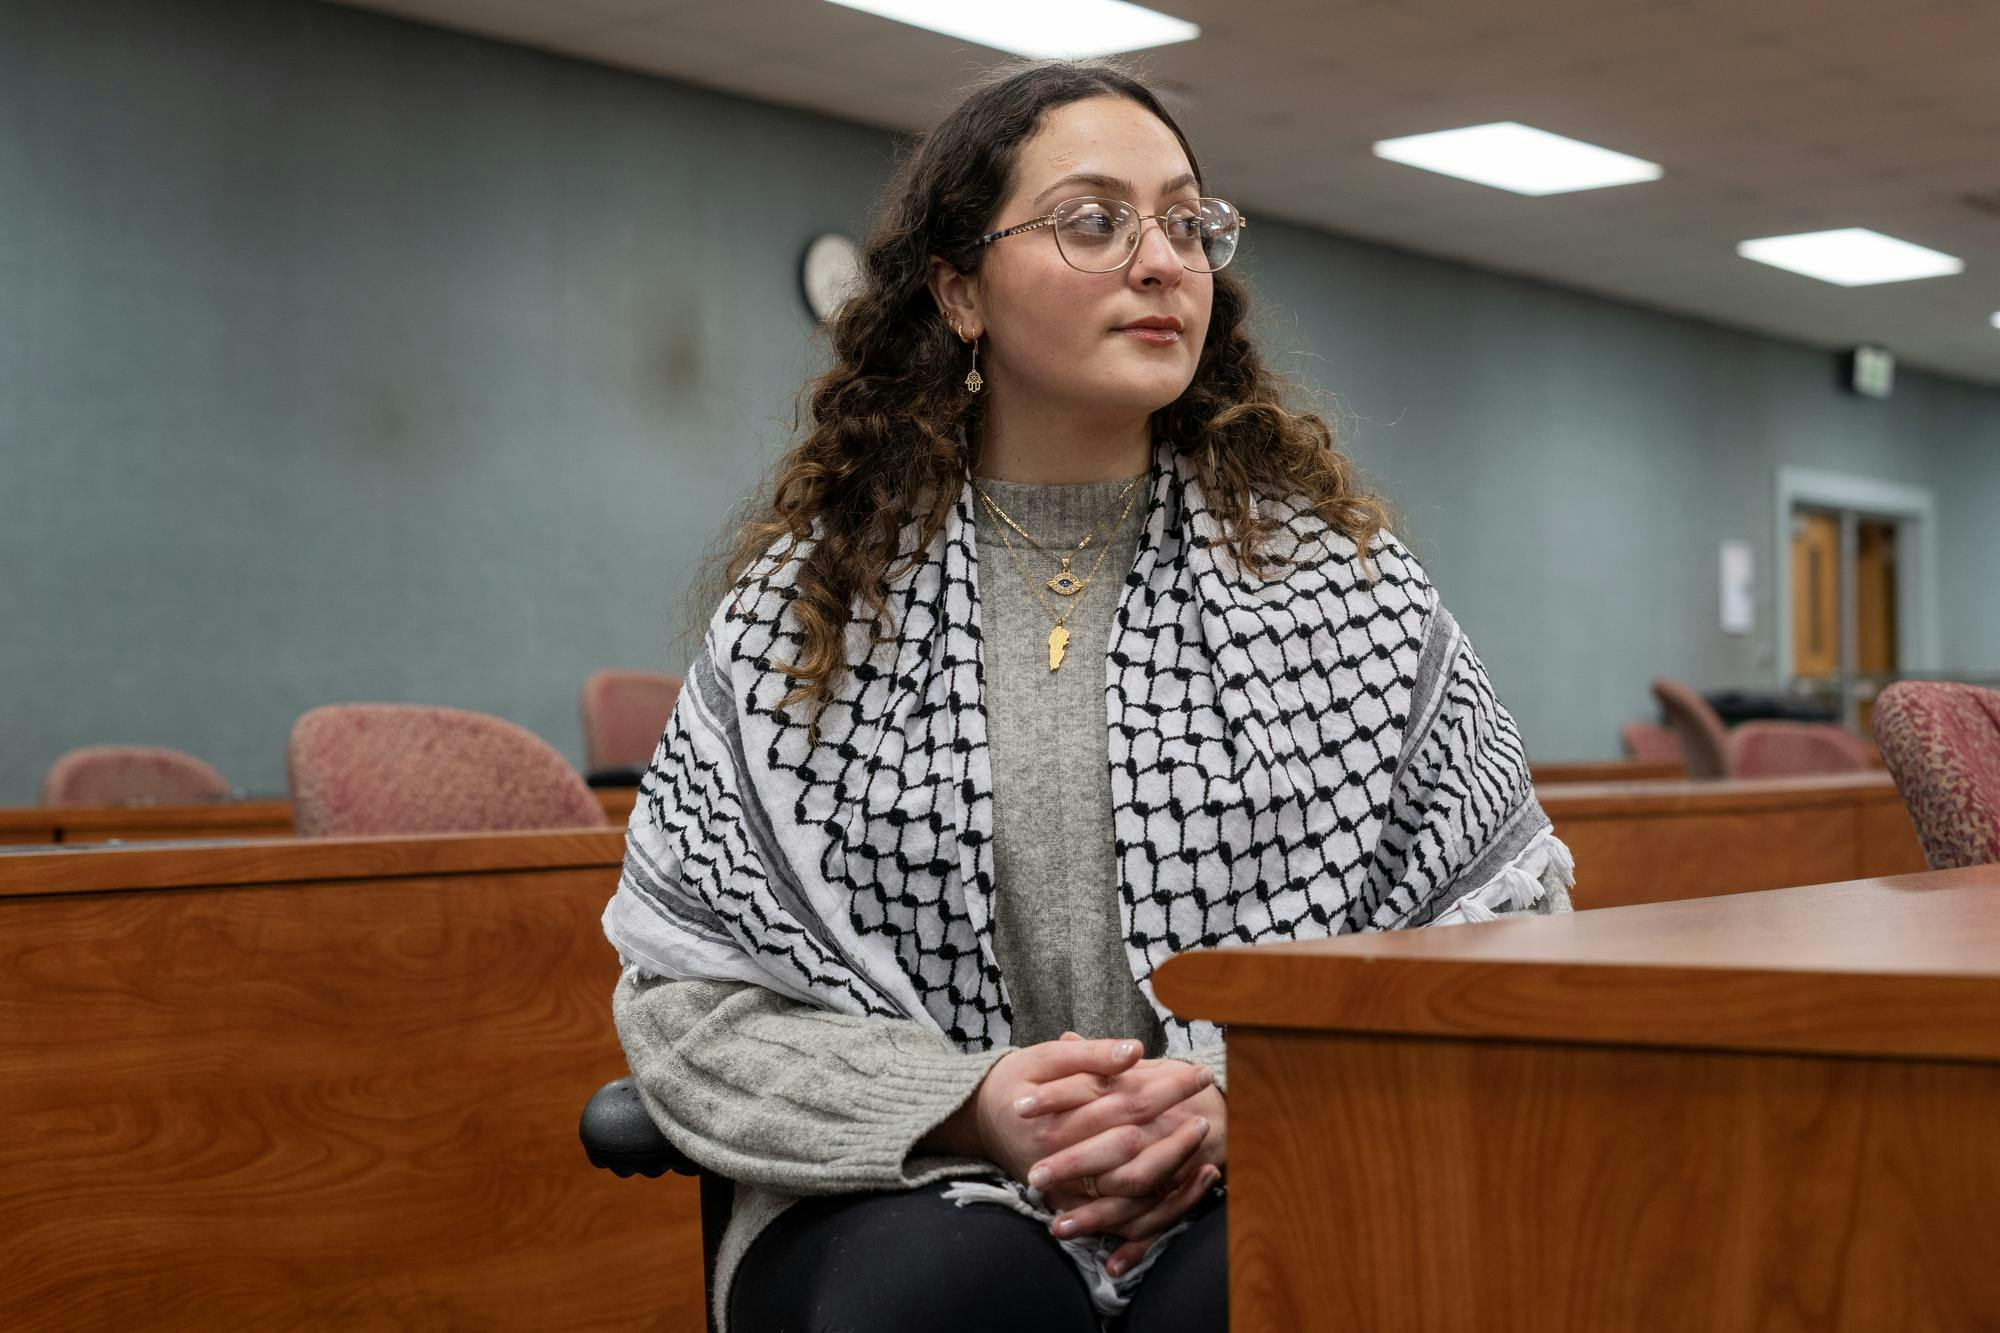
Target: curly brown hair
{"points": [[886, 436]]}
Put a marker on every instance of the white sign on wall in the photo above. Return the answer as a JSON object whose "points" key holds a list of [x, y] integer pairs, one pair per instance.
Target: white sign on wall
{"points": [[1739, 600]]}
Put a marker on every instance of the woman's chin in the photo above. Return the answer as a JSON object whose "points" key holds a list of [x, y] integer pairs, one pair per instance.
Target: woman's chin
{"points": [[1160, 391], [1149, 387]]}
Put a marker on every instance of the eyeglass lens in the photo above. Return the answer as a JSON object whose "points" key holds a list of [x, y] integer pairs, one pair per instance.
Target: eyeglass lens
{"points": [[1098, 235]]}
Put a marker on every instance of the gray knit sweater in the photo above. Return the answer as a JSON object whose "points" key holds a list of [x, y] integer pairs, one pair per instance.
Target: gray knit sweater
{"points": [[790, 1101]]}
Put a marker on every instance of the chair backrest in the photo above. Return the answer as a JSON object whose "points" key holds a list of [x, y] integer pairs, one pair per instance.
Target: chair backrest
{"points": [[1795, 749], [1941, 742], [1704, 740], [361, 769], [130, 775], [1649, 741], [624, 713]]}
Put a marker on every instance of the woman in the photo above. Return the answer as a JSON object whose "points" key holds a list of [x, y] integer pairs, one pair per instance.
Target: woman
{"points": [[1059, 646]]}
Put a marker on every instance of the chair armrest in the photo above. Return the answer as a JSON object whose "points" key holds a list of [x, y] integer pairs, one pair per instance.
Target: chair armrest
{"points": [[619, 1136]]}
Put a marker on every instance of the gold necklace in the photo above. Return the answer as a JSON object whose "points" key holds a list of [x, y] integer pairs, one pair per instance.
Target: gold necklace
{"points": [[1064, 583], [1059, 636]]}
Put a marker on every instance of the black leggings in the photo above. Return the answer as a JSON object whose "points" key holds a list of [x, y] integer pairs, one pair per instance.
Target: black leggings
{"points": [[913, 1261]]}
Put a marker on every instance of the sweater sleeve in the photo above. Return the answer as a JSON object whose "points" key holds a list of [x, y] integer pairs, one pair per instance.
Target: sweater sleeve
{"points": [[776, 1093]]}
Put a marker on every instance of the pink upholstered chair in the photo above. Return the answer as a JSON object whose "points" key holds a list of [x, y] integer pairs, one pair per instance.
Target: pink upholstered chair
{"points": [[359, 769], [1941, 742], [1795, 749], [1649, 742], [131, 775], [624, 713], [1704, 740]]}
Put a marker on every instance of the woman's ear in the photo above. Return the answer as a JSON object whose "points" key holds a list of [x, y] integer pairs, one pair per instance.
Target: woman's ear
{"points": [[957, 297]]}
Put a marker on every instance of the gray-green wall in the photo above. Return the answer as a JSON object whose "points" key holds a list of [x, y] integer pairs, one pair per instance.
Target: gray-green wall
{"points": [[343, 359]]}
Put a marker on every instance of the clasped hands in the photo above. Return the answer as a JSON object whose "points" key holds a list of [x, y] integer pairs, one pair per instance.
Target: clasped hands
{"points": [[1152, 1133]]}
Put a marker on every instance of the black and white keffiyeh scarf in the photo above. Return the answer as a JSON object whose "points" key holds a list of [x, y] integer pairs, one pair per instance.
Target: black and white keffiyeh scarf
{"points": [[1291, 757]]}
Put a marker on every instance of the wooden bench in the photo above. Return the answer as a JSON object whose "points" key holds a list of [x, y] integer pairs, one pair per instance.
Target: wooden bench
{"points": [[1657, 842], [1607, 770], [262, 818], [144, 823]]}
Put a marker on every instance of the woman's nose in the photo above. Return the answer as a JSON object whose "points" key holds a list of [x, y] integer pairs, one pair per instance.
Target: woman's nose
{"points": [[1156, 259]]}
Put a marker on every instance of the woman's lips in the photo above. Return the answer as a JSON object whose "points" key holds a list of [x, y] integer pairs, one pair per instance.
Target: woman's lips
{"points": [[1158, 337]]}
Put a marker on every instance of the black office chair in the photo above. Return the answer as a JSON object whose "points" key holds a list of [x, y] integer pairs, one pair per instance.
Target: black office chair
{"points": [[619, 1136]]}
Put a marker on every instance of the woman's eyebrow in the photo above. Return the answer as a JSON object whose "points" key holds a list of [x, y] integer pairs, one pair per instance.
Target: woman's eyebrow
{"points": [[1112, 184]]}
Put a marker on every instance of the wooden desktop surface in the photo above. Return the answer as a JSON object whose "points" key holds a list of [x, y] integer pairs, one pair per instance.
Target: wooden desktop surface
{"points": [[1767, 1110], [319, 1084]]}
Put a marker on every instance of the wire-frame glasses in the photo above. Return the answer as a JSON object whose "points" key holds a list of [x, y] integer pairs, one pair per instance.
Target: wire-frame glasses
{"points": [[1101, 235]]}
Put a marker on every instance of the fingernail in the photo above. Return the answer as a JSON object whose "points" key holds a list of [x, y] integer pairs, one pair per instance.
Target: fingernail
{"points": [[1039, 1177], [1123, 1049], [1023, 1105], [1207, 1077], [1115, 1267], [1203, 1122], [1065, 1226]]}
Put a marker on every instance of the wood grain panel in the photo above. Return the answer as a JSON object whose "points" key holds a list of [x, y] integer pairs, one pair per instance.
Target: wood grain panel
{"points": [[1657, 842], [1421, 1184], [333, 1103]]}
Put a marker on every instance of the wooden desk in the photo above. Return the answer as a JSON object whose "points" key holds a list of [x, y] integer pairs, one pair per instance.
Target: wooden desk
{"points": [[1642, 842], [319, 1084], [144, 823], [1608, 770], [1765, 1111]]}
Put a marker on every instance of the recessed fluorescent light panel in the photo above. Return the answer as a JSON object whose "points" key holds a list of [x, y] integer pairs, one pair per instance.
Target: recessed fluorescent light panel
{"points": [[1510, 156], [1850, 257], [1996, 319], [1043, 29]]}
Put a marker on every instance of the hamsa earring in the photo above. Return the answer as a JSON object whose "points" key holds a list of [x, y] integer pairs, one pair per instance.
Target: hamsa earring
{"points": [[973, 380]]}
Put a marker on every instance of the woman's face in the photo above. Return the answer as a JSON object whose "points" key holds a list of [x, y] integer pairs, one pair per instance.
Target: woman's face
{"points": [[1053, 331]]}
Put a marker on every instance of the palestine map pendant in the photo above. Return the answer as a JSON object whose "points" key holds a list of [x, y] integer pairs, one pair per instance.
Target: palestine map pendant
{"points": [[1065, 584], [1058, 643]]}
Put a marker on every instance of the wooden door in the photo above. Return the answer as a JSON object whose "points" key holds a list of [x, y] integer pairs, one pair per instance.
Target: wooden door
{"points": [[1815, 595], [1874, 605], [1875, 598]]}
